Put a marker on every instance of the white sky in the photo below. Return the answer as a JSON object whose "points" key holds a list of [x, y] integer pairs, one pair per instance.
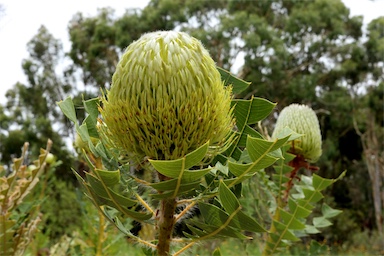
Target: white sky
{"points": [[22, 19]]}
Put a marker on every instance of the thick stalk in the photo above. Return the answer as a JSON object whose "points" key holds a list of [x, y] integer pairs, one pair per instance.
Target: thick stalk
{"points": [[166, 221]]}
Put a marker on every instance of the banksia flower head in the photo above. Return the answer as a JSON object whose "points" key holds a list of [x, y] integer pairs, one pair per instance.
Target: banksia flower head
{"points": [[303, 120], [166, 99]]}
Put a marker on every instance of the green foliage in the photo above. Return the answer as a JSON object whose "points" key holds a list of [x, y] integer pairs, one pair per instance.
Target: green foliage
{"points": [[118, 193], [311, 52]]}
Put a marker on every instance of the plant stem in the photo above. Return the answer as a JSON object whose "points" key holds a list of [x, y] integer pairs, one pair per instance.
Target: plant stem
{"points": [[166, 221], [100, 240]]}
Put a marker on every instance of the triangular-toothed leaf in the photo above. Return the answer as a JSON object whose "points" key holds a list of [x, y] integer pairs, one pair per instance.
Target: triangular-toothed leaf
{"points": [[82, 130], [189, 176], [291, 221], [313, 196], [300, 212], [329, 212], [171, 185], [258, 148], [91, 107], [320, 183], [309, 229], [238, 85], [196, 231], [248, 131], [279, 226], [68, 108], [284, 232], [173, 168], [290, 133], [109, 178], [227, 199], [222, 168], [213, 214], [283, 169], [251, 168], [114, 219], [251, 111], [321, 222], [105, 192], [247, 112], [213, 231], [245, 222]]}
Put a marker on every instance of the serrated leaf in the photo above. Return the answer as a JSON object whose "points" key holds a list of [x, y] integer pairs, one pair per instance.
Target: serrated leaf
{"points": [[259, 148], [68, 108], [300, 212], [251, 111], [315, 248], [109, 178], [309, 229], [91, 107], [228, 199], [218, 232], [287, 132], [329, 212], [320, 183], [321, 222], [291, 221], [173, 168], [238, 85], [108, 194], [312, 195], [213, 214], [247, 112], [251, 168], [245, 222], [170, 185]]}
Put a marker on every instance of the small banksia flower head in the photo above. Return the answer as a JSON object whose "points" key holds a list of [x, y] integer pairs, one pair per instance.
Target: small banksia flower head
{"points": [[303, 120], [166, 99]]}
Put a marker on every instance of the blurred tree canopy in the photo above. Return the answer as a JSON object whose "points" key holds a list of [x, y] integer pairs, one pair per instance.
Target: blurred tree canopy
{"points": [[312, 52]]}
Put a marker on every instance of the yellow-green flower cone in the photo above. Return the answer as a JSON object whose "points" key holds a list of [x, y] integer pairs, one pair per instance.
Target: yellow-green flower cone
{"points": [[166, 99], [303, 120]]}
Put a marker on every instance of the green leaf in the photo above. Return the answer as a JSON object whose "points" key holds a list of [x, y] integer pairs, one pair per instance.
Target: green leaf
{"points": [[213, 214], [321, 183], [321, 222], [171, 185], [312, 195], [91, 107], [101, 190], [212, 231], [251, 111], [245, 222], [309, 229], [228, 199], [291, 221], [68, 109], [247, 112], [173, 168], [287, 132], [300, 212], [238, 85], [329, 212], [109, 178], [258, 148], [315, 248]]}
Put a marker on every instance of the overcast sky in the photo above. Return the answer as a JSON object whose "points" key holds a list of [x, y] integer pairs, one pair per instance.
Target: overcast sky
{"points": [[22, 19]]}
